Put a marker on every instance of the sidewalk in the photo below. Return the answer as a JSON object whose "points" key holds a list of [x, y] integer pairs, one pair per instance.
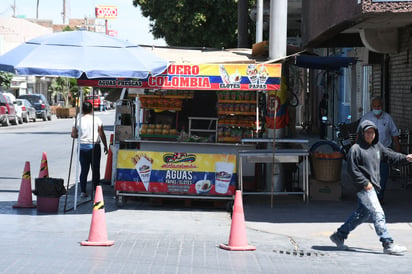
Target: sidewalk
{"points": [[291, 237]]}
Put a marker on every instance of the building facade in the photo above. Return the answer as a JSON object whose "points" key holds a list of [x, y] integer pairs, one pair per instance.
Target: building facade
{"points": [[377, 33]]}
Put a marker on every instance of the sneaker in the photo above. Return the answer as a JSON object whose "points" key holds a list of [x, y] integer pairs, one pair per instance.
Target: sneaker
{"points": [[84, 195], [394, 249], [338, 241]]}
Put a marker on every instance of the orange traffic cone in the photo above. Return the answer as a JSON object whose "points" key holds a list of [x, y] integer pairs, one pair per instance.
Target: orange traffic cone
{"points": [[25, 198], [44, 169], [98, 232], [237, 237], [108, 172]]}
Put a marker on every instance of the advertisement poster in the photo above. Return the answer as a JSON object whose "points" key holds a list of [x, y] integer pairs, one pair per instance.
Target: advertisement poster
{"points": [[176, 172], [202, 77]]}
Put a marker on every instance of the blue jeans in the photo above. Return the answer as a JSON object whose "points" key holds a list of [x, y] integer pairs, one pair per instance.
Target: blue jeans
{"points": [[368, 206], [90, 156], [384, 171]]}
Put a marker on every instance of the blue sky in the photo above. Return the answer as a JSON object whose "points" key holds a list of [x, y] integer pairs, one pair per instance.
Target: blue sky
{"points": [[130, 24]]}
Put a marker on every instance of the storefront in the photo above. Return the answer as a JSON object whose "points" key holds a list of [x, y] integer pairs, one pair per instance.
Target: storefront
{"points": [[180, 133]]}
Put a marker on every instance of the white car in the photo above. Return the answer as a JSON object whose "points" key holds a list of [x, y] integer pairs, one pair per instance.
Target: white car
{"points": [[24, 111]]}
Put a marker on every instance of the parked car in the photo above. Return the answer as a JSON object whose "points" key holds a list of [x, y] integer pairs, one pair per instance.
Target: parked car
{"points": [[41, 105], [25, 111], [7, 111], [94, 100]]}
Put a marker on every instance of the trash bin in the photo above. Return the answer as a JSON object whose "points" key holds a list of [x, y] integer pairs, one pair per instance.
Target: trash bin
{"points": [[48, 191]]}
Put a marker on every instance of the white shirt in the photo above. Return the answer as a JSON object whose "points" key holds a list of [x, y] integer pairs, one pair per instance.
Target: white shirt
{"points": [[386, 126], [86, 131]]}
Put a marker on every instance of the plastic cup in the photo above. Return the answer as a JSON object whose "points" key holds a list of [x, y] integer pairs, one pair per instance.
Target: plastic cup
{"points": [[223, 176]]}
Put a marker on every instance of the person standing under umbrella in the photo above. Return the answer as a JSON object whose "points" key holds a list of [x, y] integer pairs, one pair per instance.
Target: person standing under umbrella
{"points": [[90, 130]]}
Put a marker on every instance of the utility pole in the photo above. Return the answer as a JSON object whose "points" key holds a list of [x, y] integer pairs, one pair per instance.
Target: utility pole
{"points": [[13, 7], [64, 12], [37, 10], [242, 24]]}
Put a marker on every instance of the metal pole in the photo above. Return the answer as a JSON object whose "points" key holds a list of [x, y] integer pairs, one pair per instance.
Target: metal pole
{"points": [[242, 34], [273, 154], [78, 151], [259, 21], [106, 27], [278, 28], [71, 159]]}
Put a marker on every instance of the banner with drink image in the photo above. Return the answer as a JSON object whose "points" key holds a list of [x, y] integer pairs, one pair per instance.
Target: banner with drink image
{"points": [[176, 172], [202, 77]]}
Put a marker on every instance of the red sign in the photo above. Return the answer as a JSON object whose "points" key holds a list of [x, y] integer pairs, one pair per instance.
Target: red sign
{"points": [[112, 33], [106, 12], [202, 77]]}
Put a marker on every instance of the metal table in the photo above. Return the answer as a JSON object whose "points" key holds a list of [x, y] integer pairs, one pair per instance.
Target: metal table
{"points": [[280, 156], [277, 140]]}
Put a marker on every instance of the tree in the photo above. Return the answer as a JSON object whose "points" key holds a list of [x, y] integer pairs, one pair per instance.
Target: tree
{"points": [[200, 23], [5, 79], [60, 86]]}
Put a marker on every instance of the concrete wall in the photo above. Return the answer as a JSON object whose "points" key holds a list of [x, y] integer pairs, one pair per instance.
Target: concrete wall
{"points": [[400, 82], [320, 16]]}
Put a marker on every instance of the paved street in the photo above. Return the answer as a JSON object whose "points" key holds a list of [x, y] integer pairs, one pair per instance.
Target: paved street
{"points": [[171, 238]]}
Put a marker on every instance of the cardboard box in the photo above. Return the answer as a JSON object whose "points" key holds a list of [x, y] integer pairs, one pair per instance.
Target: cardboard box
{"points": [[322, 191]]}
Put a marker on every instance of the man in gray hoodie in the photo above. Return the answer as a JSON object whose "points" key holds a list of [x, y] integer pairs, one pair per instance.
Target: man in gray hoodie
{"points": [[363, 166]]}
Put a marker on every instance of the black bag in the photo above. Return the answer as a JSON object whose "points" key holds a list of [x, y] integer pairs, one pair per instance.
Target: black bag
{"points": [[49, 187]]}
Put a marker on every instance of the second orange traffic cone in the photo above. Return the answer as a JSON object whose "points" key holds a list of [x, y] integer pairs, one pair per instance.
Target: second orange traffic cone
{"points": [[237, 237], [25, 195], [108, 172], [98, 231], [44, 169]]}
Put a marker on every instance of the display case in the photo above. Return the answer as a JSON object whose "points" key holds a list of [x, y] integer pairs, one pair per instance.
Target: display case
{"points": [[237, 115], [162, 101]]}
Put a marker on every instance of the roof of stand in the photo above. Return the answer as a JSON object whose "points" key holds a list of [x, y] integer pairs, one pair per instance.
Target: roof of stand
{"points": [[203, 55]]}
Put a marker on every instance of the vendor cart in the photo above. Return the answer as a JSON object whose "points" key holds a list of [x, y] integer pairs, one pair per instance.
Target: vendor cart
{"points": [[183, 146]]}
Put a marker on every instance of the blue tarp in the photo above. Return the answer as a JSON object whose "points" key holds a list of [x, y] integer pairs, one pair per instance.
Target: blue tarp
{"points": [[323, 62]]}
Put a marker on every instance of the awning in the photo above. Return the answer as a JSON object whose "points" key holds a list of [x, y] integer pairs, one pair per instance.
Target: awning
{"points": [[323, 62]]}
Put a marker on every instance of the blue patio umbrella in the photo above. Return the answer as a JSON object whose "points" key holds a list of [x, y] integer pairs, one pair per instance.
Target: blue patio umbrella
{"points": [[74, 53]]}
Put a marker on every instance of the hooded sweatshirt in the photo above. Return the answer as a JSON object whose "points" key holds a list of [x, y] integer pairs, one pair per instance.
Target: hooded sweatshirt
{"points": [[364, 159]]}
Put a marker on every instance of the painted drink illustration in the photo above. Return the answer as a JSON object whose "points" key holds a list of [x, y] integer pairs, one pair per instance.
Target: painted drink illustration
{"points": [[223, 176], [252, 73], [224, 75], [144, 169]]}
